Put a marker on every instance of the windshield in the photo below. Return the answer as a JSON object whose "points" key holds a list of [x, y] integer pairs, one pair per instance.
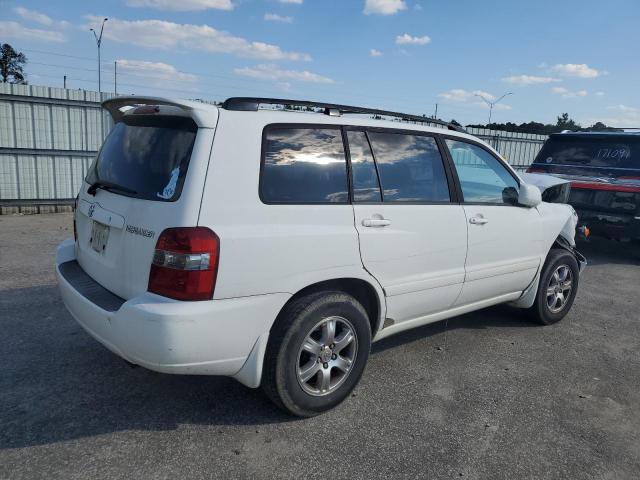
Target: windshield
{"points": [[147, 156], [601, 151]]}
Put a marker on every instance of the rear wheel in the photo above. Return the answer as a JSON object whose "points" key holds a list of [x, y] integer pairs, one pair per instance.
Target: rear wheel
{"points": [[316, 353], [557, 289]]}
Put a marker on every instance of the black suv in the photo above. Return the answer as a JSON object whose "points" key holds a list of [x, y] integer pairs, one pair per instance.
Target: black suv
{"points": [[604, 170]]}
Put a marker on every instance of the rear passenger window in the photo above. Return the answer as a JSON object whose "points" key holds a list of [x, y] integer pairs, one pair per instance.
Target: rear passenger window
{"points": [[304, 165], [365, 178], [410, 168]]}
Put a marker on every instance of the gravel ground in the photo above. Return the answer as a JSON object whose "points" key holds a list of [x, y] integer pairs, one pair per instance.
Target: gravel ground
{"points": [[485, 395]]}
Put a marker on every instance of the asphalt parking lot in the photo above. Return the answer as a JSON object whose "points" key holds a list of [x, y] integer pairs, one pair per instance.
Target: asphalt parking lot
{"points": [[486, 395]]}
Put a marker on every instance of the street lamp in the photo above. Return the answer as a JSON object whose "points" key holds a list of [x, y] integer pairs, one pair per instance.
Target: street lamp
{"points": [[491, 104], [98, 43]]}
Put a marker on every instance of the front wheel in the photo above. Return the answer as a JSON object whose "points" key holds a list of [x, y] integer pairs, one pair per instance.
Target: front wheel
{"points": [[316, 353], [557, 288]]}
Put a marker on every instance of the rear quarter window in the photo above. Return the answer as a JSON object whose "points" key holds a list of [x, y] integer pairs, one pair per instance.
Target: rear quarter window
{"points": [[303, 165]]}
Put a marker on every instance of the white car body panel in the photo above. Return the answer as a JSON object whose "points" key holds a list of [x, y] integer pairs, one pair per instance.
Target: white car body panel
{"points": [[501, 259], [418, 259], [430, 263]]}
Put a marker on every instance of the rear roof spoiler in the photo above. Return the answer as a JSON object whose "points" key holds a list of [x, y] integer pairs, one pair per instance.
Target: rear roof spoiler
{"points": [[205, 115]]}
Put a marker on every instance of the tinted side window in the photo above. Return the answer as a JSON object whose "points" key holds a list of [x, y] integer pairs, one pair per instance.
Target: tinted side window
{"points": [[304, 165], [482, 177], [365, 178], [410, 168]]}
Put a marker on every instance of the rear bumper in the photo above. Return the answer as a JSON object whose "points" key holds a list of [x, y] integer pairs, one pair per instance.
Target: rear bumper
{"points": [[204, 338], [609, 225]]}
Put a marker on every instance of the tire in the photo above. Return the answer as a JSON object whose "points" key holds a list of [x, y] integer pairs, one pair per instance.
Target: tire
{"points": [[547, 309], [291, 354]]}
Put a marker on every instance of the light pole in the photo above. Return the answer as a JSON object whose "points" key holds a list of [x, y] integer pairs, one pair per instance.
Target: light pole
{"points": [[98, 43], [491, 104]]}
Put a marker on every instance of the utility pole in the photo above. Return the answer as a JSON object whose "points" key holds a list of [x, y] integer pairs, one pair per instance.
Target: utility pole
{"points": [[435, 115], [64, 81], [115, 77], [99, 43], [491, 104]]}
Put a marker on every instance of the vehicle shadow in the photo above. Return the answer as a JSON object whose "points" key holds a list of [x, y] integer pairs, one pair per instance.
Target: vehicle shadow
{"points": [[58, 384], [501, 316], [600, 251]]}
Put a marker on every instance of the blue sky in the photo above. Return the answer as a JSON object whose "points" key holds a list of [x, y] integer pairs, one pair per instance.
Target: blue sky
{"points": [[557, 56]]}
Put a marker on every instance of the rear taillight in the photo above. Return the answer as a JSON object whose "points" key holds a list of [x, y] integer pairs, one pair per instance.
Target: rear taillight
{"points": [[185, 264], [534, 169]]}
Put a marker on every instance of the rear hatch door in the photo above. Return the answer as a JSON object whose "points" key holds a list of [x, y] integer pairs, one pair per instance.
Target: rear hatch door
{"points": [[148, 176], [604, 169]]}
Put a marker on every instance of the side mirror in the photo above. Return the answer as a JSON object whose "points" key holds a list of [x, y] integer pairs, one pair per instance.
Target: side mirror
{"points": [[529, 195], [510, 196]]}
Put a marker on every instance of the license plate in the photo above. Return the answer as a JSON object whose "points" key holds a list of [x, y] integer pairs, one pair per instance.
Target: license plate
{"points": [[99, 236]]}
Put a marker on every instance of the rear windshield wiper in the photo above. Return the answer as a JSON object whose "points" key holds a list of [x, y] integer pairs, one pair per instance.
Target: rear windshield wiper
{"points": [[109, 186]]}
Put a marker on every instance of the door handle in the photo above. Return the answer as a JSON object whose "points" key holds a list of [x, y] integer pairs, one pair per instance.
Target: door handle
{"points": [[376, 222], [478, 220]]}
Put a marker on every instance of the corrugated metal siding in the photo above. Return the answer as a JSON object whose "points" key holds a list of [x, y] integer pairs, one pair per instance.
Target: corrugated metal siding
{"points": [[61, 130], [48, 137]]}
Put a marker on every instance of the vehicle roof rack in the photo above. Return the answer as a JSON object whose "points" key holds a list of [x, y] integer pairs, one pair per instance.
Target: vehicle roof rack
{"points": [[252, 104]]}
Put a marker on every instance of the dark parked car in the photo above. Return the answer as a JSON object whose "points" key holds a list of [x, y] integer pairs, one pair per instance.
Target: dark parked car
{"points": [[604, 170]]}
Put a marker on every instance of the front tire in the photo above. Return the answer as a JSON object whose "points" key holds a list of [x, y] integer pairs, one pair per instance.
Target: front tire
{"points": [[317, 352], [557, 288]]}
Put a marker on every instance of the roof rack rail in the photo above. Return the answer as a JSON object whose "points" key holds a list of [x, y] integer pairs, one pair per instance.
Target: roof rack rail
{"points": [[253, 104]]}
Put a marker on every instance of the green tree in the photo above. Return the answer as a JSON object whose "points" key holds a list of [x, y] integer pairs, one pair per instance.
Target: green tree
{"points": [[566, 123], [11, 63], [598, 126]]}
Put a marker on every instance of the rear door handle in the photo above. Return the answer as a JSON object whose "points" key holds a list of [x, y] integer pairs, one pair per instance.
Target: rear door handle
{"points": [[376, 222], [478, 220]]}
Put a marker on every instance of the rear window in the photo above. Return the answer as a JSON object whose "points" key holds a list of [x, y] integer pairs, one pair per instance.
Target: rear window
{"points": [[603, 151], [303, 165], [146, 155]]}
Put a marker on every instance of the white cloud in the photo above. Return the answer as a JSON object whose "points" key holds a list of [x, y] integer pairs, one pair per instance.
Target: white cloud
{"points": [[156, 70], [273, 72], [295, 2], [497, 106], [566, 93], [38, 17], [623, 108], [384, 7], [581, 70], [20, 32], [375, 53], [523, 80], [461, 95], [467, 97], [274, 17], [34, 16], [182, 5], [621, 116], [599, 94], [407, 39], [165, 35], [417, 7]]}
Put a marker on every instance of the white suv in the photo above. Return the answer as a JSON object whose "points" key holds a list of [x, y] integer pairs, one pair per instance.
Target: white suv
{"points": [[274, 246]]}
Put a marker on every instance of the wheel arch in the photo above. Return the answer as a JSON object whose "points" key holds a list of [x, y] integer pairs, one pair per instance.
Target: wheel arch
{"points": [[370, 296], [362, 290]]}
